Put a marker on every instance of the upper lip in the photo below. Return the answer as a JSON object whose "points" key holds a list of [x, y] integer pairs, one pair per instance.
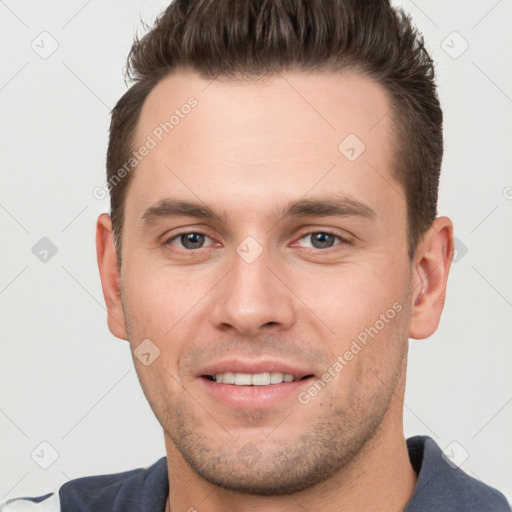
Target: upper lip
{"points": [[240, 366]]}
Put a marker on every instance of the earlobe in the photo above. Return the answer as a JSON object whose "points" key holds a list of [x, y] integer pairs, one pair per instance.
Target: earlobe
{"points": [[430, 274], [110, 276]]}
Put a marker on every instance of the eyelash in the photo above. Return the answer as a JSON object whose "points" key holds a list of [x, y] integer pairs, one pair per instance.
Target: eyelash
{"points": [[209, 235]]}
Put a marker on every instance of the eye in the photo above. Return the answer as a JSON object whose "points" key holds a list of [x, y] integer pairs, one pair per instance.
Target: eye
{"points": [[190, 241], [322, 239], [194, 240]]}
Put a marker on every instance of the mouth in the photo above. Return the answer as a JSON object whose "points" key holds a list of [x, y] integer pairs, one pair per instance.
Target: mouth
{"points": [[255, 391], [245, 384], [255, 379]]}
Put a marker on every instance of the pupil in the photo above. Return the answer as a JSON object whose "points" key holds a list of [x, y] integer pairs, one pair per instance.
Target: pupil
{"points": [[192, 240], [323, 239]]}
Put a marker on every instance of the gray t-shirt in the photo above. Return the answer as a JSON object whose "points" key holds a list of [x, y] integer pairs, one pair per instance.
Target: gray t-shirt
{"points": [[441, 487]]}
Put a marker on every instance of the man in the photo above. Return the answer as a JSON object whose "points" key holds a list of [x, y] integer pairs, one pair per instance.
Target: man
{"points": [[273, 242]]}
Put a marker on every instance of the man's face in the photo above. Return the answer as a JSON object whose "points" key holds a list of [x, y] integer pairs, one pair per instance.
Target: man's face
{"points": [[254, 291]]}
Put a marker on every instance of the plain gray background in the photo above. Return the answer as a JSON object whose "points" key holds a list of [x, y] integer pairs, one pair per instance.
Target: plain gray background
{"points": [[66, 381]]}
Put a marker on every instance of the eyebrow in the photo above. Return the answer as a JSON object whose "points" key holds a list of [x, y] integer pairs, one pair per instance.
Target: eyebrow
{"points": [[334, 205]]}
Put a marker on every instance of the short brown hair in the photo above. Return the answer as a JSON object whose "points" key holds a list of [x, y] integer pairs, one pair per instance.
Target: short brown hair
{"points": [[256, 38]]}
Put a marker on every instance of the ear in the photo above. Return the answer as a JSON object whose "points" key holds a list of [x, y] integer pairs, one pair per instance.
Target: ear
{"points": [[110, 276], [431, 265]]}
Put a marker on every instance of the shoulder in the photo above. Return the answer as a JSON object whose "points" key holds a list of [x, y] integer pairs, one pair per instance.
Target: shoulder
{"points": [[135, 490], [47, 503], [442, 485]]}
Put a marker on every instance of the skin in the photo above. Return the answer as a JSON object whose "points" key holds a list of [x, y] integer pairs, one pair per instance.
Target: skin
{"points": [[248, 149]]}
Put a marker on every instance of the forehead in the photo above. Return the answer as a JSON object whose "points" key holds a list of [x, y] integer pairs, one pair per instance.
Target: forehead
{"points": [[291, 131], [323, 106]]}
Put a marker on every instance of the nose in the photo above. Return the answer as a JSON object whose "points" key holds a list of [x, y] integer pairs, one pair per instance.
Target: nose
{"points": [[253, 296]]}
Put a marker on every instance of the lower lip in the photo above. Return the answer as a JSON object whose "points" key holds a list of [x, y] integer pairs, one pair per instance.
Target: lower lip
{"points": [[253, 397]]}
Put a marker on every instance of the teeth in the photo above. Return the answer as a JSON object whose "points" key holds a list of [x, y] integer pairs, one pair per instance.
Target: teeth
{"points": [[253, 379], [242, 379]]}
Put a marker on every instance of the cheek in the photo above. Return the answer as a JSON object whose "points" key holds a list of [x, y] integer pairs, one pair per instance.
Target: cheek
{"points": [[365, 309], [353, 296], [167, 307]]}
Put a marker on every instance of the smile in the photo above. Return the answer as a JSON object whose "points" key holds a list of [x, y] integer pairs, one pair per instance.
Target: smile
{"points": [[253, 379]]}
